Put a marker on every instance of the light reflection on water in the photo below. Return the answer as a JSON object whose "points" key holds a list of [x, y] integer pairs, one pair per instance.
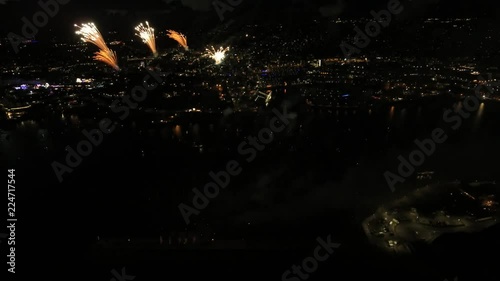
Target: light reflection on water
{"points": [[75, 120], [404, 112], [196, 131], [178, 131], [479, 117], [48, 138]]}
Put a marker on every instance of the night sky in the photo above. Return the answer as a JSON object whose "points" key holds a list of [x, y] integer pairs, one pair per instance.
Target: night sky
{"points": [[189, 13]]}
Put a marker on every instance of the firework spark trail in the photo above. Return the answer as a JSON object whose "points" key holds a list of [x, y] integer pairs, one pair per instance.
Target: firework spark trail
{"points": [[90, 34], [107, 56], [217, 55], [179, 37], [147, 34]]}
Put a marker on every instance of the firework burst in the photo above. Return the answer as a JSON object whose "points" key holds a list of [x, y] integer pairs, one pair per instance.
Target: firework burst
{"points": [[217, 55], [90, 34], [179, 37], [107, 56], [147, 34]]}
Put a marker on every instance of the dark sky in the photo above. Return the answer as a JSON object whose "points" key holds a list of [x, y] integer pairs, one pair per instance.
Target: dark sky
{"points": [[351, 6], [189, 13]]}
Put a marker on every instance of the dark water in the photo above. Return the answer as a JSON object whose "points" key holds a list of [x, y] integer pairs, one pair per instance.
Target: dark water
{"points": [[322, 176]]}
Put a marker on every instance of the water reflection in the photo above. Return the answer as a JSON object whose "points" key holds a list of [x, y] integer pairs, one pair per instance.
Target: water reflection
{"points": [[479, 116], [203, 134], [391, 113], [178, 131], [403, 114], [75, 120], [196, 131]]}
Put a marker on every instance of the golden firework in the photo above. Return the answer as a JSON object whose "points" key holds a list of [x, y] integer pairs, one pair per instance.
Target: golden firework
{"points": [[90, 34], [179, 37], [217, 55], [107, 56], [147, 34]]}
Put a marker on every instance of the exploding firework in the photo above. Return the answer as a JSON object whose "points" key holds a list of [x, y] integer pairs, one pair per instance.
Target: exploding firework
{"points": [[90, 34], [179, 37], [147, 34], [217, 55], [107, 56]]}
